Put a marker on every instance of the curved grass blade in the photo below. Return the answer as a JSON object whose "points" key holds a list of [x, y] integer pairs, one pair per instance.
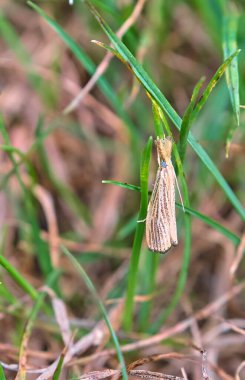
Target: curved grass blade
{"points": [[163, 103], [138, 237], [100, 305], [230, 23], [204, 218], [188, 119]]}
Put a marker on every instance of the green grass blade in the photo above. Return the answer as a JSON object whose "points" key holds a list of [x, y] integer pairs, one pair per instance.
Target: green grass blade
{"points": [[57, 372], [204, 218], [157, 120], [212, 223], [100, 305], [188, 119], [138, 237], [16, 276], [163, 103], [136, 68], [218, 176], [122, 184], [2, 375], [216, 77], [230, 23]]}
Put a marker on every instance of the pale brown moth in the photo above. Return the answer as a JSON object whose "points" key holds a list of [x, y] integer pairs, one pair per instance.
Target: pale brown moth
{"points": [[161, 230]]}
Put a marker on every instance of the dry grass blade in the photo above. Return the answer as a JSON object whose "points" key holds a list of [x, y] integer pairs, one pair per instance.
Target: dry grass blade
{"points": [[98, 375], [208, 310], [61, 317], [153, 375], [182, 326], [94, 338], [239, 256], [239, 369], [155, 358], [106, 60], [184, 374], [232, 325]]}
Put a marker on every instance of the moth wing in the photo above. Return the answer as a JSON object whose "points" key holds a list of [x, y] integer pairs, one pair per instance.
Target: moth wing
{"points": [[171, 197], [158, 234]]}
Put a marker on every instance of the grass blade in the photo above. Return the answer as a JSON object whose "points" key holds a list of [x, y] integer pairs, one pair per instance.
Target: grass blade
{"points": [[148, 287], [230, 22], [122, 184], [29, 326], [188, 119], [100, 305], [90, 67], [216, 77], [2, 375], [16, 276], [57, 372], [229, 47], [138, 237], [163, 103], [212, 223], [204, 218], [30, 211]]}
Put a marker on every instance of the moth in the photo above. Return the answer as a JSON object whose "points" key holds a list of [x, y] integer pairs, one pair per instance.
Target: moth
{"points": [[161, 229]]}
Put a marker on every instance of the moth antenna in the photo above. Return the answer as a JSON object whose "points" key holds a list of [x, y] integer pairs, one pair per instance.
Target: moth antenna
{"points": [[177, 184]]}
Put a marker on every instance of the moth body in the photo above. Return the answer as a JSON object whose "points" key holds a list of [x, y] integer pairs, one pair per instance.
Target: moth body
{"points": [[161, 230]]}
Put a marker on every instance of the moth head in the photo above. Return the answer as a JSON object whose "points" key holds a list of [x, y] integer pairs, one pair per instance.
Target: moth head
{"points": [[164, 148]]}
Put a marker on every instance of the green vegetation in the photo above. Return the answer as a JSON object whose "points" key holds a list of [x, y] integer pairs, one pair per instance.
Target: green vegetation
{"points": [[77, 175]]}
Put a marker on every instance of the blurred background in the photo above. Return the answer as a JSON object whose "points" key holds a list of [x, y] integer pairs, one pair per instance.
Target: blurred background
{"points": [[53, 161]]}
